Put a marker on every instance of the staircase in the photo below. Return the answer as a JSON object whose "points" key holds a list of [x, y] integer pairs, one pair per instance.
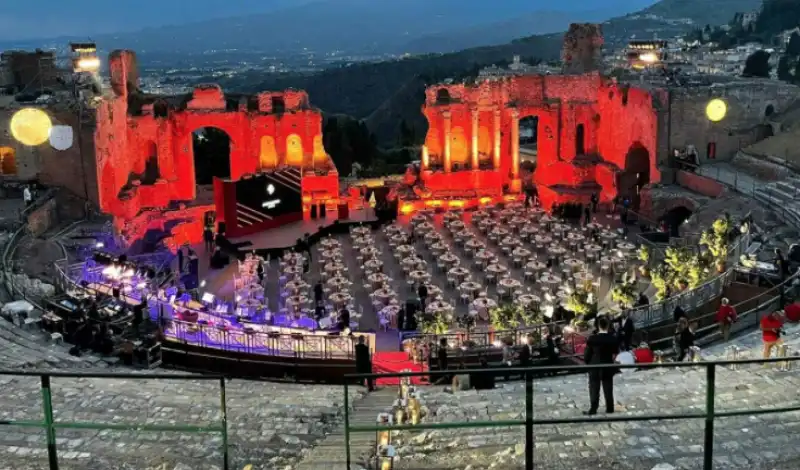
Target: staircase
{"points": [[783, 197], [330, 453]]}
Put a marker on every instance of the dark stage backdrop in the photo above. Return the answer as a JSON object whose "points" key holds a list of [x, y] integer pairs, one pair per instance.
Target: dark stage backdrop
{"points": [[263, 201]]}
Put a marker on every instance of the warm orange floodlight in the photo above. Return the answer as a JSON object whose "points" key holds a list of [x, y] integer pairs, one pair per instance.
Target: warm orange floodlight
{"points": [[31, 126]]}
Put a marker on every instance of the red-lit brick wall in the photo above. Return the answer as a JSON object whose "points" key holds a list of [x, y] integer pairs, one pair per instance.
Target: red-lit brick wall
{"points": [[259, 140], [615, 120]]}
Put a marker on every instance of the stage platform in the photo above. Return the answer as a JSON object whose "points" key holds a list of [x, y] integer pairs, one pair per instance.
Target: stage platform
{"points": [[287, 235]]}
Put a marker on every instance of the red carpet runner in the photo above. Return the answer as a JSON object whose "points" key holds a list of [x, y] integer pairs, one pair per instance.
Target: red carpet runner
{"points": [[386, 362]]}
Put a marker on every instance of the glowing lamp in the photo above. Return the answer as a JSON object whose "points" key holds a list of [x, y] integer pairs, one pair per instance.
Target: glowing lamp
{"points": [[648, 58], [407, 209], [31, 126], [384, 438], [87, 64], [385, 458], [716, 110], [485, 200]]}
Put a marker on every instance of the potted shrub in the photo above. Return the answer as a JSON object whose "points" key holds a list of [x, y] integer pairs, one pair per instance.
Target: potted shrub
{"points": [[432, 324], [660, 281], [624, 295], [644, 257], [504, 317]]}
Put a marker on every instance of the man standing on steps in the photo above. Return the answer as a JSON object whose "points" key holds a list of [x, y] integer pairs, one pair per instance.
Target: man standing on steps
{"points": [[600, 349], [364, 362]]}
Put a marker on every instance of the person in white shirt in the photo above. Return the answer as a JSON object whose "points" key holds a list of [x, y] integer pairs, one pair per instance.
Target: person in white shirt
{"points": [[27, 196]]}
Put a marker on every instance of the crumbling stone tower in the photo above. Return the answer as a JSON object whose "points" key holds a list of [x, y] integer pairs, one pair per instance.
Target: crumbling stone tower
{"points": [[583, 46]]}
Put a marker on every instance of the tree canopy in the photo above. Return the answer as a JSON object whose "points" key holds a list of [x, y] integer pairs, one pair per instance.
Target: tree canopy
{"points": [[757, 65]]}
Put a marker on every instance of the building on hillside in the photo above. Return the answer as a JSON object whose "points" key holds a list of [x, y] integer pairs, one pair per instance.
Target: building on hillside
{"points": [[28, 71], [749, 18], [646, 54], [516, 67], [786, 36]]}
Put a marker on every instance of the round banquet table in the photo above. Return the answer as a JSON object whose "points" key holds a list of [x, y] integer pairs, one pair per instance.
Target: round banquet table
{"points": [[418, 276], [483, 305], [521, 253], [449, 259], [296, 301], [329, 243], [496, 269], [332, 253], [456, 225], [439, 306], [377, 279], [573, 263], [373, 264], [425, 227], [459, 272], [474, 244], [405, 249], [370, 251], [338, 281], [527, 300], [509, 284], [470, 287], [384, 295], [340, 298], [360, 230], [536, 266], [335, 267]]}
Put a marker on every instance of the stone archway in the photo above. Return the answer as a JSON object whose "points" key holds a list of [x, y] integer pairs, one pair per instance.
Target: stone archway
{"points": [[8, 161], [443, 96], [294, 151], [580, 140], [211, 148], [459, 150], [268, 153], [636, 173], [151, 171]]}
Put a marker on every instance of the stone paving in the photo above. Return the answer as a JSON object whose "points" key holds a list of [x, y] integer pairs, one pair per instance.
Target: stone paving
{"points": [[269, 424], [753, 442]]}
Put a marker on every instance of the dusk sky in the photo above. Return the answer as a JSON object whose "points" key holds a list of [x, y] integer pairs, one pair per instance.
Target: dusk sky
{"points": [[35, 19]]}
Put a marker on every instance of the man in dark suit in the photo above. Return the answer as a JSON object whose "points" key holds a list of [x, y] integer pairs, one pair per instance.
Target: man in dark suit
{"points": [[600, 349], [364, 362], [626, 331]]}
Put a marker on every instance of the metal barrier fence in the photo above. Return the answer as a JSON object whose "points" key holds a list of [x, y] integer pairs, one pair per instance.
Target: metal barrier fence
{"points": [[298, 345], [529, 422], [51, 425], [768, 301]]}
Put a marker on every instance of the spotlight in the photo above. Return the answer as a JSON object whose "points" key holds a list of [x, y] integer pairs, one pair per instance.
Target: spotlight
{"points": [[99, 245]]}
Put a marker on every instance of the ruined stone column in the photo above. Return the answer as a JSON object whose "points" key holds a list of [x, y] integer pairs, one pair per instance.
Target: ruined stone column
{"points": [[496, 139], [474, 148], [515, 185], [425, 160], [447, 122], [514, 144]]}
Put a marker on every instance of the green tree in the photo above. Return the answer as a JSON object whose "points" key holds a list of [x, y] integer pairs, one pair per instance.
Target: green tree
{"points": [[784, 70], [407, 136], [757, 65], [793, 49], [797, 72]]}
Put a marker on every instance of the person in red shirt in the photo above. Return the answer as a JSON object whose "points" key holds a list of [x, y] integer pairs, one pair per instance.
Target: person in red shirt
{"points": [[726, 315], [642, 353], [771, 330]]}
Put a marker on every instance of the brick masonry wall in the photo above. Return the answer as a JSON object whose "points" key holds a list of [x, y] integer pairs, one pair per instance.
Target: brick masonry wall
{"points": [[699, 184], [43, 219]]}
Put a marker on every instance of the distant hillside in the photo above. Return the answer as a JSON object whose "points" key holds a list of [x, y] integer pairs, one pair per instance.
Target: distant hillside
{"points": [[703, 12], [386, 93], [360, 89], [523, 25]]}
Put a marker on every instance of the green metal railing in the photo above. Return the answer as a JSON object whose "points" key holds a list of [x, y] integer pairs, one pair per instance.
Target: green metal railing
{"points": [[709, 416], [50, 424]]}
